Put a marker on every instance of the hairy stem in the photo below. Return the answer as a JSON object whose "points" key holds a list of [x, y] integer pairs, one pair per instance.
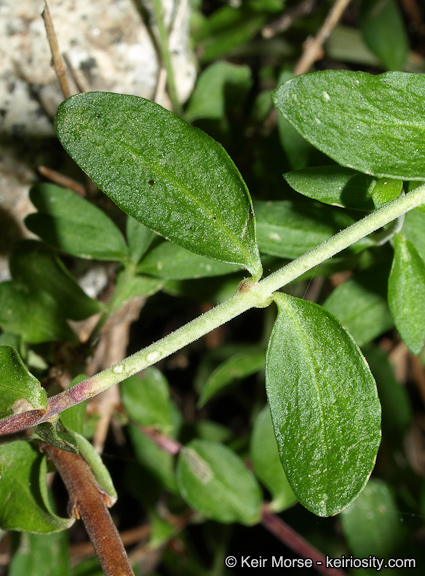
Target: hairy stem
{"points": [[87, 501], [250, 295]]}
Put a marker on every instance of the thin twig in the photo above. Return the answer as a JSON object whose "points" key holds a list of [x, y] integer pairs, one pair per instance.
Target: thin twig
{"points": [[57, 62], [78, 81], [86, 501], [313, 46], [62, 180], [296, 543], [288, 18], [166, 55]]}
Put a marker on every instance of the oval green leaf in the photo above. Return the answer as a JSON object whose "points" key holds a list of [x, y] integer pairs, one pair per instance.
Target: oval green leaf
{"points": [[334, 185], [164, 173], [324, 405], [36, 265], [19, 390], [360, 304], [74, 225], [266, 462], [236, 368], [406, 293], [373, 124], [289, 229], [36, 315], [173, 262], [372, 522], [214, 480], [146, 400], [24, 502]]}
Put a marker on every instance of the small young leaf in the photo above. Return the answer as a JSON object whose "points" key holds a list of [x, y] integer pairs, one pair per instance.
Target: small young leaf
{"points": [[33, 314], [289, 229], [360, 304], [266, 462], [170, 261], [37, 266], [383, 29], [372, 522], [214, 480], [19, 390], [147, 399], [334, 185], [373, 124], [385, 191], [222, 85], [24, 502], [406, 293], [72, 224], [139, 238], [236, 368], [324, 405], [137, 153]]}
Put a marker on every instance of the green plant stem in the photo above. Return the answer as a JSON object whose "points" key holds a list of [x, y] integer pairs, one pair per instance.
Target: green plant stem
{"points": [[166, 55], [249, 295]]}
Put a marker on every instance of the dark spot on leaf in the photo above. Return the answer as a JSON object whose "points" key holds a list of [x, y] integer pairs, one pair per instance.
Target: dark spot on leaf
{"points": [[151, 182]]}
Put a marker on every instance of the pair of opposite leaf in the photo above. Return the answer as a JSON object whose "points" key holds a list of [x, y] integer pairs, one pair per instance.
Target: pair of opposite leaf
{"points": [[180, 183]]}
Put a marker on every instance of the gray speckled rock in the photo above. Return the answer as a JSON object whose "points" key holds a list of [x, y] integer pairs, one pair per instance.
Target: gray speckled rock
{"points": [[110, 49]]}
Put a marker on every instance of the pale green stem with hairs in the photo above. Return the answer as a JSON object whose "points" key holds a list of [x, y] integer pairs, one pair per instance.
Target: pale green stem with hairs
{"points": [[249, 295]]}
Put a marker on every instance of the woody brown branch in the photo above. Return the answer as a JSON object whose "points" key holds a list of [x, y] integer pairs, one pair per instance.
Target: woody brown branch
{"points": [[88, 502]]}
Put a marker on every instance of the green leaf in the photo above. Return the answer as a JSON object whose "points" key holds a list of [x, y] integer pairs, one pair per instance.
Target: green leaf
{"points": [[19, 390], [382, 26], [324, 405], [394, 398], [334, 185], [236, 368], [266, 462], [73, 418], [385, 191], [24, 502], [137, 153], [135, 287], [220, 87], [139, 238], [33, 314], [360, 304], [225, 30], [406, 293], [158, 462], [214, 480], [289, 229], [170, 261], [37, 266], [373, 124], [74, 225], [41, 555], [147, 399], [413, 230], [372, 524]]}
